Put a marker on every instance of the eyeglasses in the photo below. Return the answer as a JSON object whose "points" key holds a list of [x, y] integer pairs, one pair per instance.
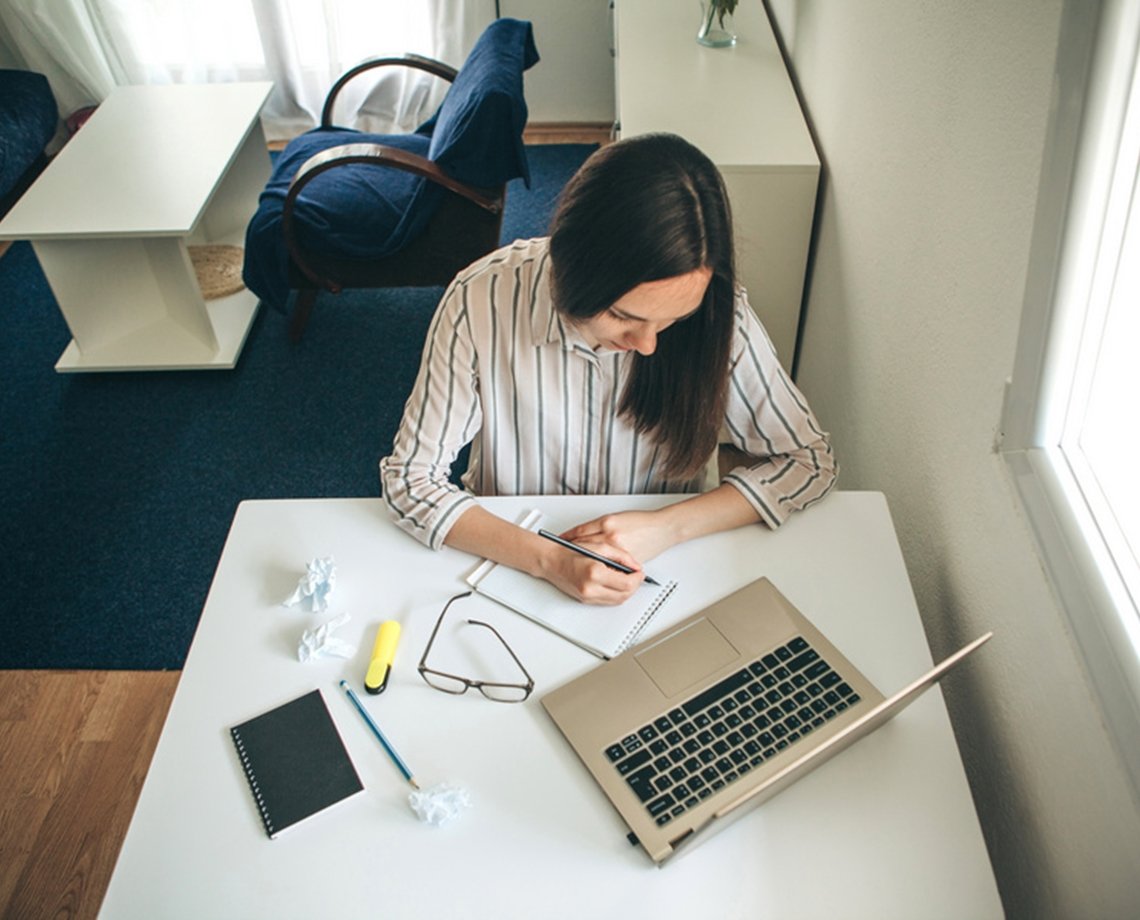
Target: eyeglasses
{"points": [[453, 683]]}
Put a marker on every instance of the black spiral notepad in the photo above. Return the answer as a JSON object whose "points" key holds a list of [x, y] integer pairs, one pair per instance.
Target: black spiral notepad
{"points": [[295, 761]]}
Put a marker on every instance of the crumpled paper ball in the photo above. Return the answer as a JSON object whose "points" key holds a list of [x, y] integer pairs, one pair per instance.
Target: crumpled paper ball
{"points": [[315, 586], [439, 804], [319, 641]]}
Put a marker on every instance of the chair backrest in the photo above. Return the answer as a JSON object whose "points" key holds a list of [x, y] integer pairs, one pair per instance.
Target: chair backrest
{"points": [[476, 134]]}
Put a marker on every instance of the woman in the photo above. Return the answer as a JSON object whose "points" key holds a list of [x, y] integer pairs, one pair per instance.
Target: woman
{"points": [[606, 359]]}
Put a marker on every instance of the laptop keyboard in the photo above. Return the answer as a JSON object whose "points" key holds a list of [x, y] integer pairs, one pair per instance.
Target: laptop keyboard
{"points": [[717, 736]]}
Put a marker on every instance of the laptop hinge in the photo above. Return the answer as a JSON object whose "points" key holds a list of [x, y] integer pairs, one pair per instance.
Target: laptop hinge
{"points": [[677, 841]]}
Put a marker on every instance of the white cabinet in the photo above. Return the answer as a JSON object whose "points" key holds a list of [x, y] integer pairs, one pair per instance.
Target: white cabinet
{"points": [[737, 104]]}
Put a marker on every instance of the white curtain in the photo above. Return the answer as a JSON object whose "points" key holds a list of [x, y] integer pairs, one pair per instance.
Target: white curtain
{"points": [[88, 47]]}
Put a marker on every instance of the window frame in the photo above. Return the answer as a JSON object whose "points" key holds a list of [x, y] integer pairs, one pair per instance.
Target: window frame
{"points": [[1098, 54]]}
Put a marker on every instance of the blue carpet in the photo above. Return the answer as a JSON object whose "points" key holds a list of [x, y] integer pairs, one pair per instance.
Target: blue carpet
{"points": [[118, 489]]}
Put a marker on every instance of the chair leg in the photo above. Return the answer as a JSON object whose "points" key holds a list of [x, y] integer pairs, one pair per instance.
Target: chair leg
{"points": [[306, 297]]}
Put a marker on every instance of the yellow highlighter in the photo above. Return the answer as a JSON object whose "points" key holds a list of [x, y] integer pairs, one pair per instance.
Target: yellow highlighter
{"points": [[383, 653]]}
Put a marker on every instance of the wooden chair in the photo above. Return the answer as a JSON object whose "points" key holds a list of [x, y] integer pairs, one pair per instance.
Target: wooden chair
{"points": [[371, 211]]}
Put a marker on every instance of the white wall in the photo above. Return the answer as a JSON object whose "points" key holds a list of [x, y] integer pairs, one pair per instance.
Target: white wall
{"points": [[574, 80], [931, 119]]}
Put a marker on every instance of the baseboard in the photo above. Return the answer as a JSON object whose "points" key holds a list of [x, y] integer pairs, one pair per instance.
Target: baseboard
{"points": [[568, 132], [550, 132]]}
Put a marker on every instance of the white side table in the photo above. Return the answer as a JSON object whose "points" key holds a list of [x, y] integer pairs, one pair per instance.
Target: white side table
{"points": [[155, 170]]}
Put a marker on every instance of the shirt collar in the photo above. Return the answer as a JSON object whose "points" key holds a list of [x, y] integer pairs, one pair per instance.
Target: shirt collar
{"points": [[548, 327]]}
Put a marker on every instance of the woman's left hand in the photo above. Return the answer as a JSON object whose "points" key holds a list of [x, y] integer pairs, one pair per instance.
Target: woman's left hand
{"points": [[642, 534]]}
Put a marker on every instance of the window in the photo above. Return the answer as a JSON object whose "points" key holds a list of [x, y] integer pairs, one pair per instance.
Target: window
{"points": [[1070, 434]]}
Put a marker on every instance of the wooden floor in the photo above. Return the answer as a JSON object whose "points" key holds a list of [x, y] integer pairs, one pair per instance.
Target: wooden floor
{"points": [[74, 748]]}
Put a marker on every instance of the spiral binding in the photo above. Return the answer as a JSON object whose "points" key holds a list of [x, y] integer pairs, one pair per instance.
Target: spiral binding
{"points": [[253, 784], [650, 612]]}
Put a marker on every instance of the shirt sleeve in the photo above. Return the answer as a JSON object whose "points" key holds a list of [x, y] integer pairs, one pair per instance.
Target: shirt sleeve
{"points": [[442, 415], [767, 417]]}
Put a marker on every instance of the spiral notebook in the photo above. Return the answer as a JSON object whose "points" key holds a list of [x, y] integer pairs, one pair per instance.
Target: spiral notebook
{"points": [[602, 631], [295, 762]]}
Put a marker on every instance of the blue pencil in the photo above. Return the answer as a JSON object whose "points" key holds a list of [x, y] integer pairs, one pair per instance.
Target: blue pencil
{"points": [[380, 735]]}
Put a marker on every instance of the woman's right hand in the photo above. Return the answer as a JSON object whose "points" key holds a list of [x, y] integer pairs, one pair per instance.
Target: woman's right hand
{"points": [[586, 579]]}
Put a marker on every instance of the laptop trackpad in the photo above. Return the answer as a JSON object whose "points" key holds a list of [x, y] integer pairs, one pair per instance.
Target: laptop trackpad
{"points": [[686, 657]]}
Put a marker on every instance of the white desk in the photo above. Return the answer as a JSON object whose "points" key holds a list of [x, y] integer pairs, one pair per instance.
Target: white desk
{"points": [[155, 169], [887, 829]]}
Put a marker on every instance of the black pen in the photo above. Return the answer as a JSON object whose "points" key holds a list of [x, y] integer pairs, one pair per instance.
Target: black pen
{"points": [[617, 566]]}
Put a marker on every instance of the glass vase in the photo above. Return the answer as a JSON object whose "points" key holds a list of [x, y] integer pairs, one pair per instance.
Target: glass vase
{"points": [[717, 29]]}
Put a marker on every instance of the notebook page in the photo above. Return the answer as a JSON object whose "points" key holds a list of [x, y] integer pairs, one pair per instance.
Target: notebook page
{"points": [[603, 631]]}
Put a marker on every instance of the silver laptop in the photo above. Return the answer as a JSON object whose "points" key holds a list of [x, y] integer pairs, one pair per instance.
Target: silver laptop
{"points": [[691, 729]]}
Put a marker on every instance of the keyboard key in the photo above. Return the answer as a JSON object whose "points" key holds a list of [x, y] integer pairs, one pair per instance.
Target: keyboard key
{"points": [[784, 653], [615, 752], [633, 761], [770, 660], [673, 737], [817, 670], [641, 783], [706, 755], [663, 724], [677, 716], [647, 734], [798, 644], [757, 668], [660, 805], [660, 746], [802, 661]]}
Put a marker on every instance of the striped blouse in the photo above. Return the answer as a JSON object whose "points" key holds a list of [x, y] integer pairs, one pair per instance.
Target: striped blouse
{"points": [[502, 370]]}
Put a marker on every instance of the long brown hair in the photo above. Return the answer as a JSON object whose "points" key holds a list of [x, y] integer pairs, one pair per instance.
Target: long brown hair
{"points": [[645, 209]]}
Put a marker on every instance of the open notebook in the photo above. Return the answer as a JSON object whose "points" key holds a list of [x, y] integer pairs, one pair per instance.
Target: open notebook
{"points": [[602, 631]]}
